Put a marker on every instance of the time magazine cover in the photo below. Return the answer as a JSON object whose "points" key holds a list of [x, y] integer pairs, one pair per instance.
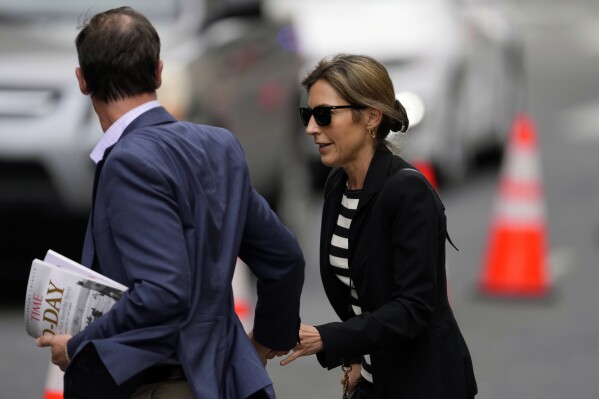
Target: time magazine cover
{"points": [[64, 297]]}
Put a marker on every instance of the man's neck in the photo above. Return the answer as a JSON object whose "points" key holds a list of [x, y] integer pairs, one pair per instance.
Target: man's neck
{"points": [[108, 113]]}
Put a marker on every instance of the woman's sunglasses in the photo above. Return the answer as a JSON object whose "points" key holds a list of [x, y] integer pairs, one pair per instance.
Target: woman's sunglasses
{"points": [[322, 115]]}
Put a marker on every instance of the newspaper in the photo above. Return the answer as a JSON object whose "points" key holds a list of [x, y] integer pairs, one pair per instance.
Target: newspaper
{"points": [[64, 297]]}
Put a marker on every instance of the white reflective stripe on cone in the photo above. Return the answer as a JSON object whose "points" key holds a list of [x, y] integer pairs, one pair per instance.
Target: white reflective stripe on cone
{"points": [[243, 295], [53, 388]]}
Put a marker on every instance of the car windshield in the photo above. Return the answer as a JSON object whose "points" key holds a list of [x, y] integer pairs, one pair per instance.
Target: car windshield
{"points": [[59, 9]]}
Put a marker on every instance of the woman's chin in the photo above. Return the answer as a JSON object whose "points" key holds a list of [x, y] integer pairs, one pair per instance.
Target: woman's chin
{"points": [[327, 162]]}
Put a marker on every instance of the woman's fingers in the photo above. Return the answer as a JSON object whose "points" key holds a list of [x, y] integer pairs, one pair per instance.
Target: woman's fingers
{"points": [[296, 352], [310, 343]]}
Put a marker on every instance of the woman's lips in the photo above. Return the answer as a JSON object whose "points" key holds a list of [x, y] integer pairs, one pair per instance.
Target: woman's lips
{"points": [[323, 147]]}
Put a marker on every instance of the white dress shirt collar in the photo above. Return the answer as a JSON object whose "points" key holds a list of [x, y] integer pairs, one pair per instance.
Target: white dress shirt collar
{"points": [[114, 132]]}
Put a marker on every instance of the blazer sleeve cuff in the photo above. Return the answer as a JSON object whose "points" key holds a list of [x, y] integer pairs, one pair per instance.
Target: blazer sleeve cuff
{"points": [[330, 357]]}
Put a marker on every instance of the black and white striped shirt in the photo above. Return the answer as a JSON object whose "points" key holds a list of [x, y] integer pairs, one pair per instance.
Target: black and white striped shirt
{"points": [[339, 258]]}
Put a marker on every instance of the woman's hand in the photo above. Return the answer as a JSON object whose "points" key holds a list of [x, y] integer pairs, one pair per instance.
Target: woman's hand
{"points": [[309, 344], [355, 377]]}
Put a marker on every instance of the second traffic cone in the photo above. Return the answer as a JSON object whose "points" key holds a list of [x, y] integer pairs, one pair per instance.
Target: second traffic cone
{"points": [[516, 257], [428, 171], [242, 294], [53, 388]]}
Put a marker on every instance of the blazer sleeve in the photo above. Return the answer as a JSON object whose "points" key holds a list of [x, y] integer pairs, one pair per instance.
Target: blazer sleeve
{"points": [[409, 206], [142, 213], [274, 256]]}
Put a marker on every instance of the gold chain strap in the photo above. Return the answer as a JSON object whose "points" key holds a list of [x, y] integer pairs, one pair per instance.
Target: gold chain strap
{"points": [[346, 370]]}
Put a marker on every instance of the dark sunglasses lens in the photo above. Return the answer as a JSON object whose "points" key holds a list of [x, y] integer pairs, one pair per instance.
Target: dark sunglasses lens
{"points": [[305, 114], [322, 116]]}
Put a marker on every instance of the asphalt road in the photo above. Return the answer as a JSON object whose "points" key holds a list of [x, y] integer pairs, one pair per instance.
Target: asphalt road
{"points": [[543, 348]]}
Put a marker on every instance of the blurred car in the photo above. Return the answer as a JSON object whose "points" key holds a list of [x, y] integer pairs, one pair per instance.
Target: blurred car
{"points": [[457, 66], [246, 81], [48, 128]]}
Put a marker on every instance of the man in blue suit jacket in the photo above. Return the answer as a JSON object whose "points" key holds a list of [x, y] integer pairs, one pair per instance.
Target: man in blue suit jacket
{"points": [[173, 208]]}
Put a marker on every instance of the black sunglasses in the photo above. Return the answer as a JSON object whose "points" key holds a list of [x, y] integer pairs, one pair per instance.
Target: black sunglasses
{"points": [[322, 115]]}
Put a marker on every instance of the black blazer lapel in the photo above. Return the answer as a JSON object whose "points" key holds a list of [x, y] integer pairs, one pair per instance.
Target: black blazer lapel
{"points": [[373, 183]]}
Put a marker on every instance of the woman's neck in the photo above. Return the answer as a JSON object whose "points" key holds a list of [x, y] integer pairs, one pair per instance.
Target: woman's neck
{"points": [[356, 171]]}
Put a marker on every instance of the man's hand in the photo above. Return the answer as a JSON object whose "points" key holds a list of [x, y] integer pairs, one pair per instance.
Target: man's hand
{"points": [[58, 344], [310, 344], [264, 353]]}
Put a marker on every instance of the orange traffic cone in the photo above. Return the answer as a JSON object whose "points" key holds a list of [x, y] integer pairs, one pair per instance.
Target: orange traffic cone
{"points": [[53, 388], [516, 258], [243, 295]]}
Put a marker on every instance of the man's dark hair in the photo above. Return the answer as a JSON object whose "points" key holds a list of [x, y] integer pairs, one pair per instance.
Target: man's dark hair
{"points": [[119, 51]]}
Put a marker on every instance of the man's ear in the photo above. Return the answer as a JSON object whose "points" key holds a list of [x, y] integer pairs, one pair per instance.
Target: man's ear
{"points": [[81, 80], [159, 74]]}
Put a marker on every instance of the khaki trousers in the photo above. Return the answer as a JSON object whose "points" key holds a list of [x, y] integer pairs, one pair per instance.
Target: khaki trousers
{"points": [[164, 390]]}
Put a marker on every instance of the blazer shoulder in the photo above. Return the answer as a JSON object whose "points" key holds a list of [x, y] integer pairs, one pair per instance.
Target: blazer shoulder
{"points": [[408, 181]]}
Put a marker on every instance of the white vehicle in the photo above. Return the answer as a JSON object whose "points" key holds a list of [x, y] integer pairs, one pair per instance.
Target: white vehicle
{"points": [[48, 128], [456, 66]]}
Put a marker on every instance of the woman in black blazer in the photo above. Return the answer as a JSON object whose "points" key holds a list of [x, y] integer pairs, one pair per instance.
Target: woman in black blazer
{"points": [[383, 234]]}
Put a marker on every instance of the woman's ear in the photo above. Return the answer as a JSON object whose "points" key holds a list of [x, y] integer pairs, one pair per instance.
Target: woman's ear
{"points": [[81, 80], [373, 118]]}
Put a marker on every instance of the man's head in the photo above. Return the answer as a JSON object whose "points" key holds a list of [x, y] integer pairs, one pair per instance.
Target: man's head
{"points": [[119, 55]]}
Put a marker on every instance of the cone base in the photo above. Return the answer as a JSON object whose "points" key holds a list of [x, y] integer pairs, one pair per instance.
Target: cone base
{"points": [[516, 262], [53, 395]]}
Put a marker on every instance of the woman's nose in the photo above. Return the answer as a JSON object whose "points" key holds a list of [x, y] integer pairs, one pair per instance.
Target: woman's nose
{"points": [[312, 127]]}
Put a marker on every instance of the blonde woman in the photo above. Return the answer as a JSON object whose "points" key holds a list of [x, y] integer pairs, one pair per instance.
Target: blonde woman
{"points": [[382, 246]]}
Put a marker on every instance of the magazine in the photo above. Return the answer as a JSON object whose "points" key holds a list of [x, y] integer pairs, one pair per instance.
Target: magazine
{"points": [[64, 297]]}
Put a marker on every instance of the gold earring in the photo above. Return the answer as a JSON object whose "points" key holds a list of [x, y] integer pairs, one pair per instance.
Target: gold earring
{"points": [[372, 133]]}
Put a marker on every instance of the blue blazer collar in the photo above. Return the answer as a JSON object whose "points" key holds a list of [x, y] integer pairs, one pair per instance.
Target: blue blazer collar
{"points": [[152, 117]]}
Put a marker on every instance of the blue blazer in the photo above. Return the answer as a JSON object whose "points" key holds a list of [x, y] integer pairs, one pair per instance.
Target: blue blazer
{"points": [[173, 209]]}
